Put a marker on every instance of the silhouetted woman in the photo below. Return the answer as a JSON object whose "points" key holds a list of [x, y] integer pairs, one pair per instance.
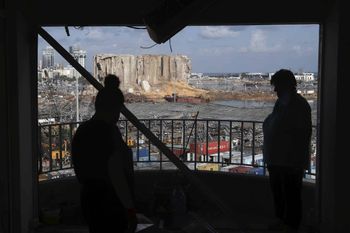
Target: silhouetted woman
{"points": [[103, 165]]}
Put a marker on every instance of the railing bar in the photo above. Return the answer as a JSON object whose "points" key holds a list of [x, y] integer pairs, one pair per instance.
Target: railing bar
{"points": [[183, 136], [40, 151], [138, 145], [143, 119], [50, 149], [207, 142], [60, 142], [70, 140], [161, 139], [172, 135], [126, 129], [310, 150], [149, 142], [195, 144], [63, 169], [219, 138], [242, 141], [253, 146], [230, 141]]}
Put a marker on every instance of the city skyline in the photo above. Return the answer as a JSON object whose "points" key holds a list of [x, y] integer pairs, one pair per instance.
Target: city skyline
{"points": [[211, 48]]}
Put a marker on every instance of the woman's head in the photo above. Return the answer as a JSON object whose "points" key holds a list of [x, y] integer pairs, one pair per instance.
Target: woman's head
{"points": [[283, 81], [111, 81], [108, 103]]}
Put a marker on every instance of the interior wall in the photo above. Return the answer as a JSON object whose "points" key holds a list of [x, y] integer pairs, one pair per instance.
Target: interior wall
{"points": [[18, 121], [333, 197], [28, 124], [342, 158], [27, 121], [327, 109], [4, 178]]}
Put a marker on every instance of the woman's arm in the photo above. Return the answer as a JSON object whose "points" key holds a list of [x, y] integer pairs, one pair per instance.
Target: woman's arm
{"points": [[119, 181]]}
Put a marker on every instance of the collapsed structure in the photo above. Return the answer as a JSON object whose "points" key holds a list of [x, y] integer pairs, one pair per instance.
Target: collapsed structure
{"points": [[142, 71]]}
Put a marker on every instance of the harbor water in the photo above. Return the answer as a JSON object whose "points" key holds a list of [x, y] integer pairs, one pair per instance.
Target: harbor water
{"points": [[246, 110]]}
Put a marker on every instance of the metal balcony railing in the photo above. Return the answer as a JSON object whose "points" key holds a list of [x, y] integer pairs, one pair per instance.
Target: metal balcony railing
{"points": [[201, 144]]}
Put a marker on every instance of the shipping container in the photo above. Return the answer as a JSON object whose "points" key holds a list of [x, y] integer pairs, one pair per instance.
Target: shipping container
{"points": [[256, 171], [212, 147], [55, 154], [208, 167], [140, 153]]}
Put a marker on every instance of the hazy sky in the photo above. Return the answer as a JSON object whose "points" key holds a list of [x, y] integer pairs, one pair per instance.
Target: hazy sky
{"points": [[210, 48]]}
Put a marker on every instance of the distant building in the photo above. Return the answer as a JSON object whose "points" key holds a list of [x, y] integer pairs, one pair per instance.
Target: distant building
{"points": [[306, 77], [48, 58], [80, 56], [65, 71], [254, 76], [40, 64], [142, 71], [196, 75]]}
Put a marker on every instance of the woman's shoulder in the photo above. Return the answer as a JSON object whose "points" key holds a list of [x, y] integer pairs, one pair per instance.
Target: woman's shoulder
{"points": [[302, 102]]}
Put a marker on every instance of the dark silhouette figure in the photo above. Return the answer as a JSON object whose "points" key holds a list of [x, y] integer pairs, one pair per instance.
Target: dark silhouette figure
{"points": [[103, 165], [287, 134]]}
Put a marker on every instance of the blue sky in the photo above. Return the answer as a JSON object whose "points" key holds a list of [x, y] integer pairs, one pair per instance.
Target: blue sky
{"points": [[211, 48]]}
